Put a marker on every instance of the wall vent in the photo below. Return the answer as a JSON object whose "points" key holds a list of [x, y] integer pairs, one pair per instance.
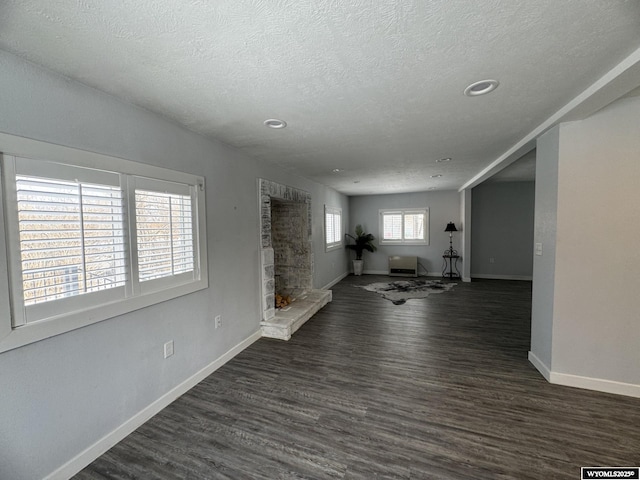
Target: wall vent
{"points": [[403, 266]]}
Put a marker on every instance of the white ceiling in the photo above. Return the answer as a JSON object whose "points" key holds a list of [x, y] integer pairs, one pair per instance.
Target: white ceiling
{"points": [[371, 87]]}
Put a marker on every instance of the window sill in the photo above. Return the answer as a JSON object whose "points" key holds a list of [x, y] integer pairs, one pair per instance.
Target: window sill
{"points": [[331, 248]]}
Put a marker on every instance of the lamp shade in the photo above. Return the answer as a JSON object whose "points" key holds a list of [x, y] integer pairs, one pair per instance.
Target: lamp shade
{"points": [[451, 227]]}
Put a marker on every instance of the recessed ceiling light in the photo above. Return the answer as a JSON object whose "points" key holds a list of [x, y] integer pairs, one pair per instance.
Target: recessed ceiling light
{"points": [[436, 176], [336, 170], [275, 123], [441, 160], [480, 88]]}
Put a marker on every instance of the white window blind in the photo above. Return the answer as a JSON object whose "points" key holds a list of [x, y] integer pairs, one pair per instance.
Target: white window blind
{"points": [[71, 238], [164, 233], [414, 226], [392, 226], [404, 226], [333, 226]]}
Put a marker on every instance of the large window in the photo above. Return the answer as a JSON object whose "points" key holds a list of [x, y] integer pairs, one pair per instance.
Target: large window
{"points": [[333, 227], [409, 226], [85, 243]]}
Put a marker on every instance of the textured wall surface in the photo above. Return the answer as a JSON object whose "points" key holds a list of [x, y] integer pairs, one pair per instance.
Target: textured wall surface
{"points": [[291, 246]]}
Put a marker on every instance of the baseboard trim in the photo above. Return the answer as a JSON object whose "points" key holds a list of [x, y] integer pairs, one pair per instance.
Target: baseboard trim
{"points": [[587, 383], [527, 278], [540, 366], [598, 384], [87, 456], [375, 272], [333, 282]]}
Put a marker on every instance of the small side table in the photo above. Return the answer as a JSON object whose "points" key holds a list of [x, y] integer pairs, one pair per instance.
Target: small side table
{"points": [[450, 258]]}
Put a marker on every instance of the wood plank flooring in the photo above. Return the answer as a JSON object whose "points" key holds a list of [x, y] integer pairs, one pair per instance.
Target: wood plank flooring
{"points": [[437, 388]]}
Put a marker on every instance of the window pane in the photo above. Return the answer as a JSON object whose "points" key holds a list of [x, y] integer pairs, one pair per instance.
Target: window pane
{"points": [[71, 238], [165, 234], [329, 225], [333, 226], [392, 226], [414, 226]]}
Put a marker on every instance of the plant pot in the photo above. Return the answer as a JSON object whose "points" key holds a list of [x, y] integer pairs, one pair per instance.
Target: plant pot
{"points": [[357, 267]]}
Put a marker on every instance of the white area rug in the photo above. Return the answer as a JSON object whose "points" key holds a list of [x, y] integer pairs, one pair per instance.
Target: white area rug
{"points": [[400, 291]]}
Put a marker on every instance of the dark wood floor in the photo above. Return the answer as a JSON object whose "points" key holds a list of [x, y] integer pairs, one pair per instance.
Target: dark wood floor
{"points": [[437, 388]]}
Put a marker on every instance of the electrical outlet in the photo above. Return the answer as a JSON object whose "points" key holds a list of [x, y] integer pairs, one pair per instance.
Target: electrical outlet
{"points": [[492, 260], [218, 321], [539, 249], [168, 349]]}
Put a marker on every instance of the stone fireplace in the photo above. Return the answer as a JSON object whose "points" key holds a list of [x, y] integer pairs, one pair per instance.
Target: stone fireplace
{"points": [[287, 259], [291, 246]]}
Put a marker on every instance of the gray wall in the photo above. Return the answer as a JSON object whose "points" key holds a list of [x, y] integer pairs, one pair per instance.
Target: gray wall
{"points": [[466, 209], [545, 233], [585, 320], [443, 207], [60, 395], [502, 221], [596, 328]]}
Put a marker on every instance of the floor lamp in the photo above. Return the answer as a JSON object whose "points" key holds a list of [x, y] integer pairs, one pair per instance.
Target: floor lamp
{"points": [[450, 254]]}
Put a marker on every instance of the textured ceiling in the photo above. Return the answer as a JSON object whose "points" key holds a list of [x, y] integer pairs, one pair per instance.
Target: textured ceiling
{"points": [[370, 87]]}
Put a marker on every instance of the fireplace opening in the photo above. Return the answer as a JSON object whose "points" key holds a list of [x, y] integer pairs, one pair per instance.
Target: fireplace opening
{"points": [[283, 301], [291, 247]]}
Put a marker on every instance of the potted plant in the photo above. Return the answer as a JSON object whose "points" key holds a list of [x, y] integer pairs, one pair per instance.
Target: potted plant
{"points": [[363, 241]]}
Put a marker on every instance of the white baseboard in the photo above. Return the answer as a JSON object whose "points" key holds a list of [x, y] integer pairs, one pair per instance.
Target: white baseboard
{"points": [[598, 384], [587, 383], [333, 282], [466, 279], [87, 456], [540, 366], [527, 278]]}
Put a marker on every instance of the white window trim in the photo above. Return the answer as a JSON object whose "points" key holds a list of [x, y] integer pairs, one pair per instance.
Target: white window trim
{"points": [[5, 305], [13, 337], [403, 212], [329, 246]]}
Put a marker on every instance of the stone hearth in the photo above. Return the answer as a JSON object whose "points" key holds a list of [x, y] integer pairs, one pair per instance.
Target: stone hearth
{"points": [[289, 319]]}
